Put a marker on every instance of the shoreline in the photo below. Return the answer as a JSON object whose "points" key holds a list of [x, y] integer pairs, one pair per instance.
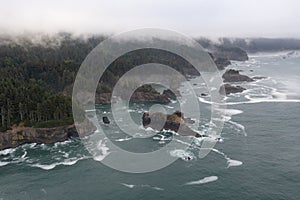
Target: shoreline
{"points": [[24, 135], [27, 135]]}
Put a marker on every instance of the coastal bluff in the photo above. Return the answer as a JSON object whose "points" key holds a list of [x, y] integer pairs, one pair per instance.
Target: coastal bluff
{"points": [[23, 135]]}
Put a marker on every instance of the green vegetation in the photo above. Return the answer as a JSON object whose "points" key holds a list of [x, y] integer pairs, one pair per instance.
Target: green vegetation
{"points": [[30, 103], [36, 78], [54, 123]]}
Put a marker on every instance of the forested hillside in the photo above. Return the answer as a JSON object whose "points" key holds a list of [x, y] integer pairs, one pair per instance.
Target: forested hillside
{"points": [[36, 77], [33, 76]]}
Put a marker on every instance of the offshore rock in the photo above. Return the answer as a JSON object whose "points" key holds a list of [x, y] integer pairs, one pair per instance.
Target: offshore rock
{"points": [[232, 89], [174, 122], [232, 75]]}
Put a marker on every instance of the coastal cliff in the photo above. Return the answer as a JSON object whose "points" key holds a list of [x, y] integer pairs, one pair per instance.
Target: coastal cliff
{"points": [[45, 95], [23, 135]]}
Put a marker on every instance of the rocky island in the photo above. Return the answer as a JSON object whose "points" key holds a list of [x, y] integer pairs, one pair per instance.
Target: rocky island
{"points": [[232, 75], [175, 122], [232, 89]]}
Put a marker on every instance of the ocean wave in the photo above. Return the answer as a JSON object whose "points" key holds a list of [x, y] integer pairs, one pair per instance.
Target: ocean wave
{"points": [[131, 186], [230, 162], [233, 163], [273, 54], [260, 92], [253, 101], [67, 162], [238, 126], [203, 181], [4, 163], [170, 107], [227, 114], [123, 139], [7, 151], [183, 154], [45, 156], [101, 151]]}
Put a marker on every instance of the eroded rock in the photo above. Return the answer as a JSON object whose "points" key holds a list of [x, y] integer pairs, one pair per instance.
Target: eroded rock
{"points": [[175, 122], [232, 75], [232, 89]]}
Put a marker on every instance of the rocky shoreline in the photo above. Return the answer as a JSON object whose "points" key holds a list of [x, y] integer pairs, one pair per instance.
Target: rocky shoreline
{"points": [[24, 135], [175, 122]]}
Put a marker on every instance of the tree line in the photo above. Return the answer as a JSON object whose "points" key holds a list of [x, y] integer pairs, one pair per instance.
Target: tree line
{"points": [[36, 78]]}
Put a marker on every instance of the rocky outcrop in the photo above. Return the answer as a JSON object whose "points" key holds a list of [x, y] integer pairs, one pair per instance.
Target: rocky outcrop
{"points": [[18, 136], [174, 122], [231, 53], [221, 63], [24, 135], [232, 75], [232, 89], [170, 94], [259, 77], [103, 98], [105, 120], [149, 97], [145, 95]]}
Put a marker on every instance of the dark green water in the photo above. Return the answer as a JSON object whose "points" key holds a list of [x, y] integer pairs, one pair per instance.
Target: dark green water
{"points": [[270, 153]]}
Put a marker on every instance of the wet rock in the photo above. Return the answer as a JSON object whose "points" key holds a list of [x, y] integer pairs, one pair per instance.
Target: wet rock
{"points": [[259, 77], [174, 122], [232, 75], [145, 95], [231, 53], [105, 120], [16, 137], [221, 63], [170, 94], [24, 135], [103, 98], [232, 89], [149, 97]]}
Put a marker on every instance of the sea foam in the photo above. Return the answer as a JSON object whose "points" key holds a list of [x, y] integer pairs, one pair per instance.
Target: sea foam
{"points": [[203, 181]]}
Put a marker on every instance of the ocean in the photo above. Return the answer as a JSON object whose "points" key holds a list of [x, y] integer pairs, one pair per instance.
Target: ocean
{"points": [[257, 157]]}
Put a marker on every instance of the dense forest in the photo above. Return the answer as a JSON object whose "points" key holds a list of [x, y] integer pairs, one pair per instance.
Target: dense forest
{"points": [[36, 76]]}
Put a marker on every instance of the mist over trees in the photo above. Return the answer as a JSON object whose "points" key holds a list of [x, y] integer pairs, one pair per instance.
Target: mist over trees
{"points": [[37, 74], [34, 75]]}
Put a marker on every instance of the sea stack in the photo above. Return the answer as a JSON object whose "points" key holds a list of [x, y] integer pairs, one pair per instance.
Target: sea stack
{"points": [[105, 120]]}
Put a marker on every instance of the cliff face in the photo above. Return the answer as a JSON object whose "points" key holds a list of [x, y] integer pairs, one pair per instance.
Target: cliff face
{"points": [[19, 136], [231, 53], [224, 50], [221, 63]]}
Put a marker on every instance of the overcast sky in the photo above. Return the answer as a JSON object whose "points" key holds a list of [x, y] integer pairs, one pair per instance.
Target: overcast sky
{"points": [[213, 18]]}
